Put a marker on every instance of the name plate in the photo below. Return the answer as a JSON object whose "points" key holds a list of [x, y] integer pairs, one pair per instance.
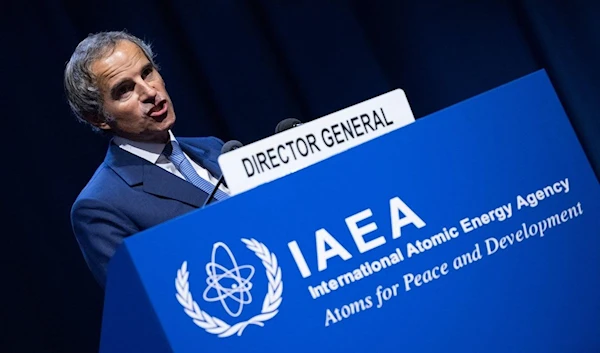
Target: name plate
{"points": [[294, 149]]}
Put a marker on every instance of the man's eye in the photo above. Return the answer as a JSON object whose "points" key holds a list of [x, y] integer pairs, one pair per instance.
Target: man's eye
{"points": [[147, 71], [124, 89]]}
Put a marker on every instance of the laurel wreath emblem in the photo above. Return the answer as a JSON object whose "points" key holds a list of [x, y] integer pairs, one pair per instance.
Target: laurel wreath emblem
{"points": [[219, 327]]}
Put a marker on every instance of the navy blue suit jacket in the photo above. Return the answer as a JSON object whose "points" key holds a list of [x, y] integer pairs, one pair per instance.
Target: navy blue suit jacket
{"points": [[128, 194]]}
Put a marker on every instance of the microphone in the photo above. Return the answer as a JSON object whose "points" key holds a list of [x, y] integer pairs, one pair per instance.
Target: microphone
{"points": [[230, 146], [227, 147], [287, 124]]}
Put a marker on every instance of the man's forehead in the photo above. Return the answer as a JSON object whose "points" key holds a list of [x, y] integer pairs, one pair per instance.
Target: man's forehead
{"points": [[124, 57]]}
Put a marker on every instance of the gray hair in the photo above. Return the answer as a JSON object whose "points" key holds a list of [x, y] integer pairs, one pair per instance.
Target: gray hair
{"points": [[81, 85]]}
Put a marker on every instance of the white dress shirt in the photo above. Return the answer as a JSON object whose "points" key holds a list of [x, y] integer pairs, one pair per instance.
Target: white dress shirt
{"points": [[152, 152]]}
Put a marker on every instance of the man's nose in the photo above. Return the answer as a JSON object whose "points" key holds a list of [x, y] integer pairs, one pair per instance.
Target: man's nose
{"points": [[148, 92]]}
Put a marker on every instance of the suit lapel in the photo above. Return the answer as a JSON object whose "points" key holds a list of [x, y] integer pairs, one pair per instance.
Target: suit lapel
{"points": [[153, 179], [207, 158], [159, 182]]}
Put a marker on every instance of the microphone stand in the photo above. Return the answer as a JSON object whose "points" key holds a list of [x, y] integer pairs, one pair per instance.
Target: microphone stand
{"points": [[214, 191]]}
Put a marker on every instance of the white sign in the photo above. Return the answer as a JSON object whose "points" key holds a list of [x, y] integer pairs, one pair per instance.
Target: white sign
{"points": [[297, 148]]}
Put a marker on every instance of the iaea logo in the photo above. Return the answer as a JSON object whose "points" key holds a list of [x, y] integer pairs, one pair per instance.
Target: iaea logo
{"points": [[237, 284], [232, 287]]}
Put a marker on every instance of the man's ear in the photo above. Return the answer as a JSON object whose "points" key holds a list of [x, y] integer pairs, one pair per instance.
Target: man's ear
{"points": [[104, 126], [98, 121]]}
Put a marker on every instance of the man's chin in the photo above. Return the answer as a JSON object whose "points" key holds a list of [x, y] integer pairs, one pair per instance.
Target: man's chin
{"points": [[169, 121]]}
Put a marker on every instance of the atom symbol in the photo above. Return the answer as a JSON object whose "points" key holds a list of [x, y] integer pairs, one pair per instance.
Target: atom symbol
{"points": [[228, 283]]}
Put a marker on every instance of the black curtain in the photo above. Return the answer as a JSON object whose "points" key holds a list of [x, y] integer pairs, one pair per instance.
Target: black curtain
{"points": [[234, 69]]}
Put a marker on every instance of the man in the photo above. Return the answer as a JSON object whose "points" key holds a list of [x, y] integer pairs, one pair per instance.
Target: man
{"points": [[148, 176]]}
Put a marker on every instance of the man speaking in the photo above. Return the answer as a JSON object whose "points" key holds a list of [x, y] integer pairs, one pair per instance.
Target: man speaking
{"points": [[148, 176]]}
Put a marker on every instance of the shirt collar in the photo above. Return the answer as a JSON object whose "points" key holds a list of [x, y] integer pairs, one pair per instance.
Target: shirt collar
{"points": [[149, 151]]}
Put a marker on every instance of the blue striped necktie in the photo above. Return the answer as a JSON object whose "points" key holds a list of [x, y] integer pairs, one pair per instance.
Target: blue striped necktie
{"points": [[174, 153]]}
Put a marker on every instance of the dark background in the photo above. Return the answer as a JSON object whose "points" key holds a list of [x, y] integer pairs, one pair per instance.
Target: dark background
{"points": [[234, 69]]}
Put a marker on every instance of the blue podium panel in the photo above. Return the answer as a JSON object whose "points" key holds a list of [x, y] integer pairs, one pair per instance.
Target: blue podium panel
{"points": [[474, 229]]}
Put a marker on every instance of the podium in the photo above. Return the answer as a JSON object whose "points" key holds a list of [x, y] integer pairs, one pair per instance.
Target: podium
{"points": [[474, 229]]}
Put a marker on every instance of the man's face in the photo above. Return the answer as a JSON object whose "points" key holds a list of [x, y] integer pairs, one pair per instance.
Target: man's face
{"points": [[134, 95]]}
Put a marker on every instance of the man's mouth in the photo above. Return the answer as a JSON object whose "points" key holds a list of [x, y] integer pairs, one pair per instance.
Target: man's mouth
{"points": [[159, 109]]}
